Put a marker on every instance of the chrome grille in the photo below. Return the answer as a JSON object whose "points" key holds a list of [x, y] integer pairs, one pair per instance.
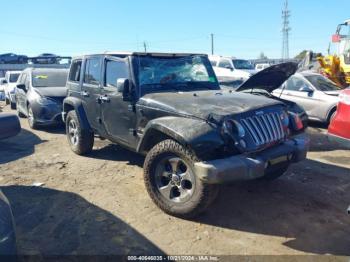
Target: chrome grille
{"points": [[264, 129]]}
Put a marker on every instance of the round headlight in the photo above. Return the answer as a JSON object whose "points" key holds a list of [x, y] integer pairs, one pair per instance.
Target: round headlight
{"points": [[233, 127]]}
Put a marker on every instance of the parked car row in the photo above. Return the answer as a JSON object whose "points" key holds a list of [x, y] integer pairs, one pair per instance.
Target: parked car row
{"points": [[45, 58]]}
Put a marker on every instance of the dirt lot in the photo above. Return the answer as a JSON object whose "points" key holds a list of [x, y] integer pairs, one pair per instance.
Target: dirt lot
{"points": [[98, 204]]}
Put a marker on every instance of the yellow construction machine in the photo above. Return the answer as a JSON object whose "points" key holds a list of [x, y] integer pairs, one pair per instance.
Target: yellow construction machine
{"points": [[337, 67]]}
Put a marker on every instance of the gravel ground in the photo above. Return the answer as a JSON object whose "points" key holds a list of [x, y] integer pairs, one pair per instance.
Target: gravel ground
{"points": [[98, 204]]}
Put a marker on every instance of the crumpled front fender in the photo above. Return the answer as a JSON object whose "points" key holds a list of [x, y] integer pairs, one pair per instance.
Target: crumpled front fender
{"points": [[202, 137]]}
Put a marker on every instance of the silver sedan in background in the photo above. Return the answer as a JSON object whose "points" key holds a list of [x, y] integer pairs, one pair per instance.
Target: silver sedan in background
{"points": [[315, 93]]}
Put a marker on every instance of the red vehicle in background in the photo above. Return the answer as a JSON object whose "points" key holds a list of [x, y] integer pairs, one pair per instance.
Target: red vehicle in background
{"points": [[339, 128]]}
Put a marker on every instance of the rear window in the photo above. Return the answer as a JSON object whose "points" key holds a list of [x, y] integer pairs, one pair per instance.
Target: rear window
{"points": [[13, 78], [44, 79]]}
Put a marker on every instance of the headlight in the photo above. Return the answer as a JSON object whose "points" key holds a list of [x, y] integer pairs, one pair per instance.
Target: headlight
{"points": [[233, 128], [296, 122]]}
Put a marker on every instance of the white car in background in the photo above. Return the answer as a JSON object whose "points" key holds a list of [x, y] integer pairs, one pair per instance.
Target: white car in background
{"points": [[2, 92], [11, 78], [229, 69], [261, 66]]}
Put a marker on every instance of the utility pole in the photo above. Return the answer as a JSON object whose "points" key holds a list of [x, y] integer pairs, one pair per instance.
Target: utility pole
{"points": [[145, 46], [212, 43], [285, 31]]}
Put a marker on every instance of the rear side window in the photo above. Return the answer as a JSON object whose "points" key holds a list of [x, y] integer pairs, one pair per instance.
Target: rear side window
{"points": [[115, 70], [225, 63], [75, 71], [92, 71], [295, 83]]}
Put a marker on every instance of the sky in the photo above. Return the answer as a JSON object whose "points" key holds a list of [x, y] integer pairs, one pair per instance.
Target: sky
{"points": [[241, 28]]}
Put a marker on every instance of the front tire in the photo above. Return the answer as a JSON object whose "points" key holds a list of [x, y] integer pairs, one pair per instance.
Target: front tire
{"points": [[81, 141], [272, 175], [171, 182], [33, 124]]}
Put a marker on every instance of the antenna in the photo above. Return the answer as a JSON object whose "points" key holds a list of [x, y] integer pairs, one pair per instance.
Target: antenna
{"points": [[285, 31], [212, 43], [145, 46]]}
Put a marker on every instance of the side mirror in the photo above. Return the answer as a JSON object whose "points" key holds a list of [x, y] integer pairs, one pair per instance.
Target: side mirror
{"points": [[22, 87], [229, 67], [306, 89], [123, 86], [4, 82]]}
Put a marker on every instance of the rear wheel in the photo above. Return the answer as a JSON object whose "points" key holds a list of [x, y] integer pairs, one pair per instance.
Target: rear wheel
{"points": [[81, 141], [332, 115], [171, 182]]}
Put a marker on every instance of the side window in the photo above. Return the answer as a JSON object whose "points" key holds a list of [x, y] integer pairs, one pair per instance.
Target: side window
{"points": [[92, 71], [295, 83], [224, 63], [115, 70], [75, 71]]}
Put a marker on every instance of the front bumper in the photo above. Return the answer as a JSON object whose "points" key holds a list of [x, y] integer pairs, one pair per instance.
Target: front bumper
{"points": [[47, 114], [252, 166]]}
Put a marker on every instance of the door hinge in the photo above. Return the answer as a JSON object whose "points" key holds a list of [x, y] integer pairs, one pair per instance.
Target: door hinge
{"points": [[131, 108], [133, 132]]}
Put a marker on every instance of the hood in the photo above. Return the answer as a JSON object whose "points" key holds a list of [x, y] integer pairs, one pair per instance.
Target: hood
{"points": [[270, 78], [201, 104], [52, 91]]}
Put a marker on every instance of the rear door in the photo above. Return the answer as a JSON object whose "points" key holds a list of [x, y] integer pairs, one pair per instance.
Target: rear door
{"points": [[91, 90], [118, 116]]}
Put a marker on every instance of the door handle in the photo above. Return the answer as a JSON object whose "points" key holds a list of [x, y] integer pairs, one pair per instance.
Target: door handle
{"points": [[85, 93]]}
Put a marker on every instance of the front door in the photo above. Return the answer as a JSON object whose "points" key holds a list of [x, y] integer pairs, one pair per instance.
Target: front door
{"points": [[21, 94], [91, 91], [118, 116]]}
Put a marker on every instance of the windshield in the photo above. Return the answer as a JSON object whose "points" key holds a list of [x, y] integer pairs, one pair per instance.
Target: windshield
{"points": [[242, 64], [322, 83], [49, 79], [184, 73], [13, 78]]}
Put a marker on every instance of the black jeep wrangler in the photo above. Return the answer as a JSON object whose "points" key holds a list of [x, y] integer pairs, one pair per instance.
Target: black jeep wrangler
{"points": [[170, 108]]}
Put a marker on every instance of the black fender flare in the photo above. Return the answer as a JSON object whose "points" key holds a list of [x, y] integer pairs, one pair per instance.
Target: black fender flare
{"points": [[197, 134], [70, 103], [9, 125]]}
